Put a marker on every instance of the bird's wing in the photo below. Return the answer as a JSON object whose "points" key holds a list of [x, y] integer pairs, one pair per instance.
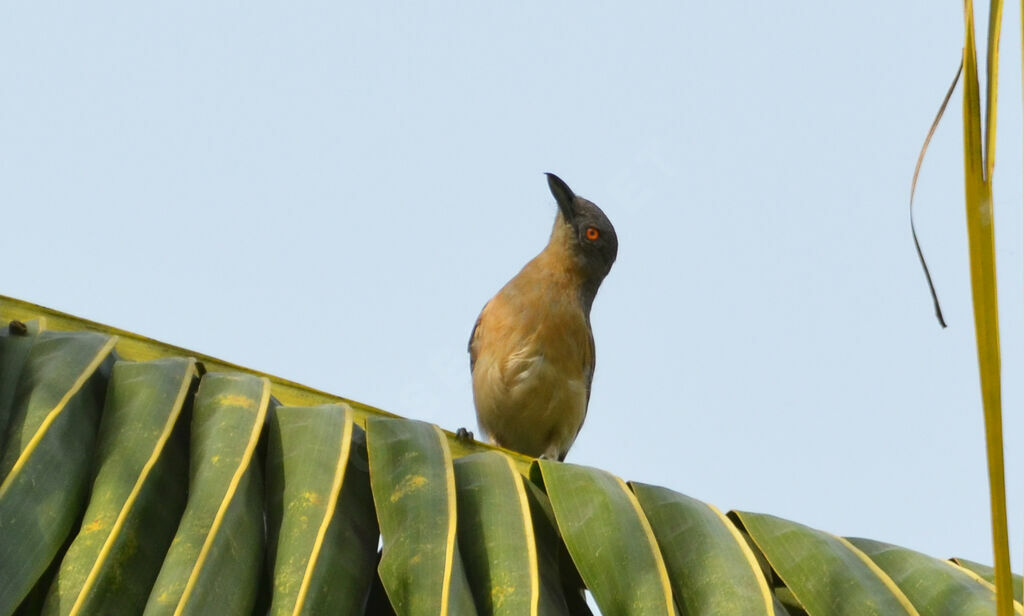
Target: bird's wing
{"points": [[590, 360], [471, 347]]}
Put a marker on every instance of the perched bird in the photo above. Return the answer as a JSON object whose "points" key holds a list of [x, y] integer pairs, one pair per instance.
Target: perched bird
{"points": [[531, 352]]}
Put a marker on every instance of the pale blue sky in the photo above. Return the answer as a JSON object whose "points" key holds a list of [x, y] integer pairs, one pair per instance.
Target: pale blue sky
{"points": [[331, 193]]}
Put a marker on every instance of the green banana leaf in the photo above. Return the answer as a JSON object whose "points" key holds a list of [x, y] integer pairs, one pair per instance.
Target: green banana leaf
{"points": [[988, 574], [414, 491], [609, 539], [567, 589], [215, 560], [712, 569], [498, 542], [323, 530], [935, 587], [138, 493], [825, 574], [44, 471]]}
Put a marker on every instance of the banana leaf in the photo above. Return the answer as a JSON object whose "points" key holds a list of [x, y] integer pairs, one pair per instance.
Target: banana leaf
{"points": [[609, 539], [215, 561], [414, 491], [712, 569], [825, 573], [322, 527], [138, 492], [44, 472]]}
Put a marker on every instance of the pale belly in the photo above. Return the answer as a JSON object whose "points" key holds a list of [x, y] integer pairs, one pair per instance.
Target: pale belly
{"points": [[530, 404]]}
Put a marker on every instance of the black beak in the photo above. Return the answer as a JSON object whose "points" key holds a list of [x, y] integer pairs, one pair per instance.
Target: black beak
{"points": [[564, 196]]}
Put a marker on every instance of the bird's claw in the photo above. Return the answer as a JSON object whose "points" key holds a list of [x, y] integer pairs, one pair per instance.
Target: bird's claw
{"points": [[464, 435]]}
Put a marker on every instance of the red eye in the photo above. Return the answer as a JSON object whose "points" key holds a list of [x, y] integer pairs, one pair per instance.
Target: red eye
{"points": [[592, 233]]}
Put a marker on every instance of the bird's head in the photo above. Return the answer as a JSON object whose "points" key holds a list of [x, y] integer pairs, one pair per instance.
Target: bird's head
{"points": [[588, 234]]}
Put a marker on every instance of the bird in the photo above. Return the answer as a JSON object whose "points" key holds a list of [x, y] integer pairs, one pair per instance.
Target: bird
{"points": [[531, 351]]}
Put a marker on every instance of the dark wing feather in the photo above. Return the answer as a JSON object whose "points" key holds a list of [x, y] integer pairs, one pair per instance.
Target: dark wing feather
{"points": [[590, 379], [470, 348], [593, 362]]}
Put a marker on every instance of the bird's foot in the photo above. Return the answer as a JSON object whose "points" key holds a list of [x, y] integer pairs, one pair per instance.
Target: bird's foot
{"points": [[464, 435]]}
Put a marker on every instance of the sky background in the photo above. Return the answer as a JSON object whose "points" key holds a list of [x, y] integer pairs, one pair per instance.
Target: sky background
{"points": [[330, 192]]}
